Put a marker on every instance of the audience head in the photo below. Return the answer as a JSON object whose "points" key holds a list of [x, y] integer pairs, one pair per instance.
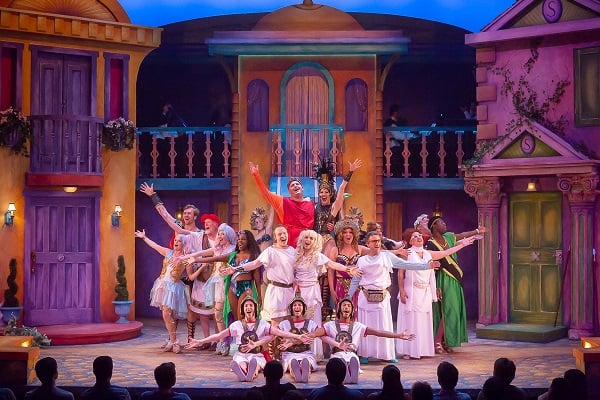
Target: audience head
{"points": [[46, 370], [165, 375], [447, 375], [254, 394], [103, 368], [390, 376], [504, 369], [576, 382], [493, 389], [273, 371], [421, 391], [335, 370], [559, 390]]}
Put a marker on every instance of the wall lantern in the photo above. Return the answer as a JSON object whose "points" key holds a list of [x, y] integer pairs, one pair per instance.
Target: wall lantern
{"points": [[116, 215], [9, 215]]}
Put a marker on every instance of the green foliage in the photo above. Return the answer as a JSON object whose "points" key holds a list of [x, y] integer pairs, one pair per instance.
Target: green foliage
{"points": [[121, 287], [529, 104], [15, 131], [10, 294]]}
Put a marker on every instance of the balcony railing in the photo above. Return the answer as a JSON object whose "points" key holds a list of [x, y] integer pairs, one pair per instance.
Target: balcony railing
{"points": [[427, 151], [66, 144], [184, 152], [297, 148]]}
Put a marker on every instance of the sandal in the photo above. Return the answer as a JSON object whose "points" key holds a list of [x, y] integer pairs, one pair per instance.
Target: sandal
{"points": [[439, 349]]}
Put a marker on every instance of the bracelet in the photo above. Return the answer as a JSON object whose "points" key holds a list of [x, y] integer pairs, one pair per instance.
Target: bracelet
{"points": [[155, 199], [348, 176], [477, 230]]}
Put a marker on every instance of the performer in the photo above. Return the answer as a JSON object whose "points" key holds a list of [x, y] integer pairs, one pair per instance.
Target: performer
{"points": [[374, 308], [197, 240], [168, 292], [344, 336], [420, 226], [309, 264], [295, 212], [250, 333], [263, 225], [297, 356], [327, 210], [417, 291], [346, 253], [450, 313]]}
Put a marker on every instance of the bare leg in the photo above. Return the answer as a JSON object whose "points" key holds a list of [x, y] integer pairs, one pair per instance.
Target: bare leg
{"points": [[233, 302]]}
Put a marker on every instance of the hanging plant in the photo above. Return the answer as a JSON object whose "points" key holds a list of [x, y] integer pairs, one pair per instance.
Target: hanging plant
{"points": [[118, 134], [15, 131]]}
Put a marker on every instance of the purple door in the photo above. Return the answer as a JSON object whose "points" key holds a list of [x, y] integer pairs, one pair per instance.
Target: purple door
{"points": [[62, 262]]}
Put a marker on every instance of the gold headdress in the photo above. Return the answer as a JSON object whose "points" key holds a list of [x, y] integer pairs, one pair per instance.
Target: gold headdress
{"points": [[344, 223], [356, 214]]}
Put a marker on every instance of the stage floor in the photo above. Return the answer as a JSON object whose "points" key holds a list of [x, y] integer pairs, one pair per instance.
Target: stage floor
{"points": [[135, 359]]}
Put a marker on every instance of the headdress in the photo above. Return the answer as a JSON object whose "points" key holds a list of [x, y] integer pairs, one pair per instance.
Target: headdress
{"points": [[301, 300], [258, 212], [324, 175], [248, 297], [419, 220], [356, 213], [432, 221], [339, 307], [344, 223], [212, 217]]}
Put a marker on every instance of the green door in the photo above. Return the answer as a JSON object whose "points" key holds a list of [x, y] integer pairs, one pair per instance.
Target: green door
{"points": [[535, 261]]}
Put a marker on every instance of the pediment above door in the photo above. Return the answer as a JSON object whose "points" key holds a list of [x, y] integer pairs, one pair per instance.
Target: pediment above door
{"points": [[531, 150]]}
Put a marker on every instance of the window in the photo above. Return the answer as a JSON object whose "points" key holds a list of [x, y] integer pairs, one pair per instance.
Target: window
{"points": [[116, 93], [10, 75], [587, 86], [357, 105], [258, 106]]}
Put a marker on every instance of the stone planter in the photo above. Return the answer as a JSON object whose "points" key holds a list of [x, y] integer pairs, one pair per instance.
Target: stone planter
{"points": [[122, 309], [8, 312]]}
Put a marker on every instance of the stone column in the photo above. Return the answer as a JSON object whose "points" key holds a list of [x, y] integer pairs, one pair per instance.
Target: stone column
{"points": [[488, 197], [579, 296]]}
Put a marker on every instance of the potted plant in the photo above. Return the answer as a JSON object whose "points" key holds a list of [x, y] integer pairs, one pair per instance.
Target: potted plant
{"points": [[15, 131], [118, 134], [10, 306], [122, 303]]}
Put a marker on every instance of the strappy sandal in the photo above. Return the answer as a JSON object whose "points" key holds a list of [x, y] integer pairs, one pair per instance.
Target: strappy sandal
{"points": [[439, 349]]}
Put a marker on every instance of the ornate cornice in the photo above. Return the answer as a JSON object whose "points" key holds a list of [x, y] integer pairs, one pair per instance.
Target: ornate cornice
{"points": [[77, 28], [485, 191], [579, 188]]}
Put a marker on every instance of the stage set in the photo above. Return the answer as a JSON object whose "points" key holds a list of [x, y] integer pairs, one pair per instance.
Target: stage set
{"points": [[205, 376]]}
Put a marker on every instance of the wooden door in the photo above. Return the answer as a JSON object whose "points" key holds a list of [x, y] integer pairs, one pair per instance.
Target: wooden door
{"points": [[535, 260], [61, 275]]}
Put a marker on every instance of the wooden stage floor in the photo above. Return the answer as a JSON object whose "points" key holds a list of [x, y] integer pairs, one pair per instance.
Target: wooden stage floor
{"points": [[135, 359]]}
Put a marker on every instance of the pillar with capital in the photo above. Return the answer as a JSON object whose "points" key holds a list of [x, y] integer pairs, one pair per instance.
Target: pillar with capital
{"points": [[487, 192], [579, 299]]}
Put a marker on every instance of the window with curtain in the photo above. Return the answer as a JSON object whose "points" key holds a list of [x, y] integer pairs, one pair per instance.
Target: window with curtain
{"points": [[116, 95], [357, 103], [10, 74], [587, 86], [306, 103], [257, 118]]}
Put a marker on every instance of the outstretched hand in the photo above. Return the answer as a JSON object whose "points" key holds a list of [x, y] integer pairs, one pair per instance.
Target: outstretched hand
{"points": [[354, 165], [140, 234], [253, 167], [407, 336], [148, 190]]}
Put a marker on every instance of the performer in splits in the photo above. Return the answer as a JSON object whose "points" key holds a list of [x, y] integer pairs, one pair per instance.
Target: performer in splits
{"points": [[344, 335], [250, 334], [297, 356]]}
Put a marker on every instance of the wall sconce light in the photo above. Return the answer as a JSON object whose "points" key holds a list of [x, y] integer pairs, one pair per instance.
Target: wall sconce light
{"points": [[532, 185], [9, 215], [437, 211], [70, 189], [116, 215]]}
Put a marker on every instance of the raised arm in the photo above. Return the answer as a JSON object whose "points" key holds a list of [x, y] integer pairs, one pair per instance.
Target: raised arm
{"points": [[160, 249], [275, 200], [480, 230], [398, 263], [461, 244], [149, 191], [339, 198]]}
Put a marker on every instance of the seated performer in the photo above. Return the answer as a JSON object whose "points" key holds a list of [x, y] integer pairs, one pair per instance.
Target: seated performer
{"points": [[250, 334], [297, 356], [344, 335]]}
